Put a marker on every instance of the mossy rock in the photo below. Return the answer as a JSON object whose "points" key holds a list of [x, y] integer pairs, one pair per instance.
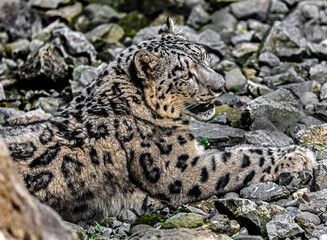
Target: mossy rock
{"points": [[189, 220], [133, 22], [149, 219]]}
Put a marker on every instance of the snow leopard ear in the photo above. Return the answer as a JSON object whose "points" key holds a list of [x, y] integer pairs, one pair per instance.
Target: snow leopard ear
{"points": [[168, 27], [145, 63]]}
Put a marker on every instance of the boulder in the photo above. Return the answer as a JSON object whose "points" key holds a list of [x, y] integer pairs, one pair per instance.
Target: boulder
{"points": [[266, 191], [279, 107], [283, 226], [257, 9]]}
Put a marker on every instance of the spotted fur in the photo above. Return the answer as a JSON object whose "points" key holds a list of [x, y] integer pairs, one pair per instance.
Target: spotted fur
{"points": [[123, 144]]}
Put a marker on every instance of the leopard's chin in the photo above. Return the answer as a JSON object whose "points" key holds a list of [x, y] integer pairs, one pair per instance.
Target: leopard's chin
{"points": [[203, 112]]}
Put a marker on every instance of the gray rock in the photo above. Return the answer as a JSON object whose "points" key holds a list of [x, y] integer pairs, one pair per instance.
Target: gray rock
{"points": [[320, 175], [307, 220], [314, 33], [152, 31], [319, 72], [219, 223], [315, 202], [320, 232], [283, 226], [290, 76], [17, 49], [323, 92], [105, 33], [197, 211], [259, 28], [290, 180], [285, 41], [48, 104], [45, 67], [231, 195], [230, 99], [180, 233], [257, 89], [31, 116], [278, 107], [263, 138], [278, 7], [222, 19], [220, 136], [247, 237], [251, 9], [246, 212], [225, 66], [189, 220], [47, 3], [4, 37], [262, 123], [83, 75], [98, 14], [266, 191], [243, 50], [268, 58], [192, 3], [319, 49], [309, 11], [243, 37], [211, 40], [68, 12], [198, 17], [300, 88], [140, 227], [309, 100], [75, 42], [18, 19], [234, 79]]}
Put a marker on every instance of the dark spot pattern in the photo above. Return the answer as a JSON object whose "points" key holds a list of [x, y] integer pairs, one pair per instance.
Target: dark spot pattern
{"points": [[47, 157], [97, 131], [21, 151], [38, 181], [164, 149], [182, 162], [195, 191], [226, 156], [194, 161], [181, 140], [175, 187], [70, 164], [107, 158], [94, 156], [222, 181], [46, 136], [151, 174], [245, 161], [204, 176], [248, 178], [261, 161]]}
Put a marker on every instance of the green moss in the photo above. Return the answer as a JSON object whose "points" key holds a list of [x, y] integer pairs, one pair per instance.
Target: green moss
{"points": [[150, 219], [133, 22]]}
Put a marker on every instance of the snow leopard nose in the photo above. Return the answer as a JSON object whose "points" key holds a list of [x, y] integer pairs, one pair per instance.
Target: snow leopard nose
{"points": [[210, 78]]}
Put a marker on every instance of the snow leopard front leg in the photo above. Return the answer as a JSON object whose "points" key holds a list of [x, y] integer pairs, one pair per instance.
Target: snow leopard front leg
{"points": [[192, 178]]}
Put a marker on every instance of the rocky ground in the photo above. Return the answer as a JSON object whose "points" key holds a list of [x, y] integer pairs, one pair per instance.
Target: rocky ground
{"points": [[272, 54]]}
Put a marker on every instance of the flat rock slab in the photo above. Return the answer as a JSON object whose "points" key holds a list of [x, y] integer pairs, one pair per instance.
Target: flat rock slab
{"points": [[283, 226], [176, 234], [267, 191], [218, 135]]}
